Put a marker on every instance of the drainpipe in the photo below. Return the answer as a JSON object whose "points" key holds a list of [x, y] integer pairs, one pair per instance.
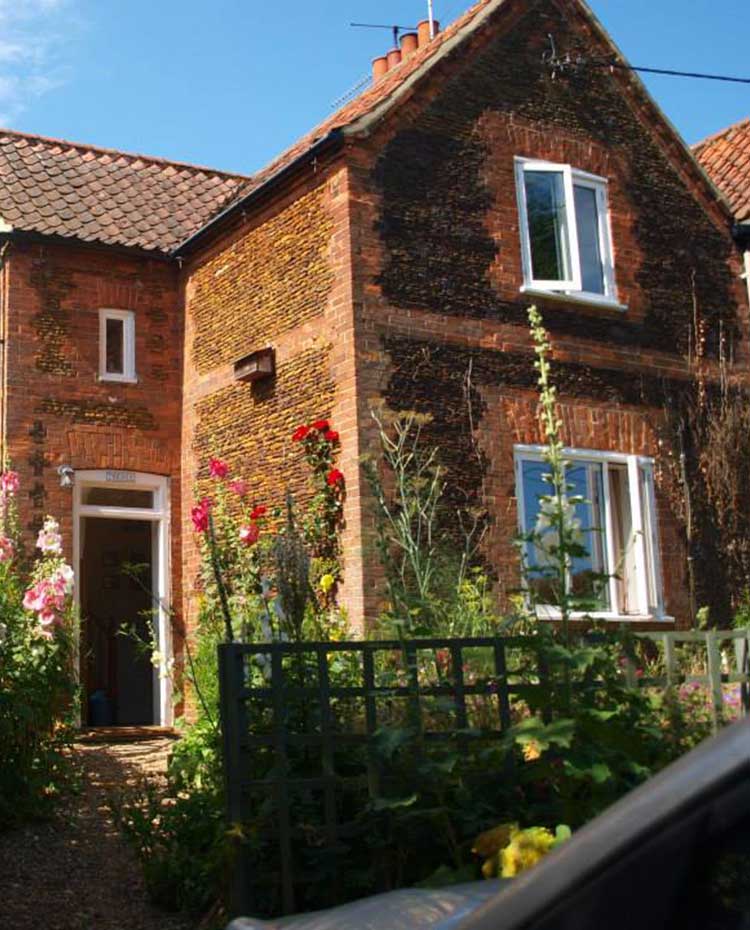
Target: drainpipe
{"points": [[3, 355]]}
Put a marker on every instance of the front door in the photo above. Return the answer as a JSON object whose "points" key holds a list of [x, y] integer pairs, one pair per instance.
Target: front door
{"points": [[121, 553]]}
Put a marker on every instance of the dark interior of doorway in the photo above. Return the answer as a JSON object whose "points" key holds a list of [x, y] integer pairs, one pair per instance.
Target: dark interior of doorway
{"points": [[117, 673]]}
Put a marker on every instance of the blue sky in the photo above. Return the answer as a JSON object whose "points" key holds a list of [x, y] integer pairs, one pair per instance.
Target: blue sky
{"points": [[232, 83]]}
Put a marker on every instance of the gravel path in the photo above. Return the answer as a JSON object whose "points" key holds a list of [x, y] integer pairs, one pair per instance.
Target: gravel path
{"points": [[76, 872]]}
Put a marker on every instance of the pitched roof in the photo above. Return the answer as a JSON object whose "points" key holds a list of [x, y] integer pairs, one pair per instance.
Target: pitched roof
{"points": [[725, 157], [54, 187]]}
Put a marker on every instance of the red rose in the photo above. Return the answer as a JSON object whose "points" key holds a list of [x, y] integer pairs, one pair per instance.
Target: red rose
{"points": [[331, 435], [249, 534], [300, 433], [320, 425], [259, 511], [199, 515], [218, 469], [335, 478]]}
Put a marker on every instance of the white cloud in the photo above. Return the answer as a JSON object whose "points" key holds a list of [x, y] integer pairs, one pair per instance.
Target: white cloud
{"points": [[34, 37]]}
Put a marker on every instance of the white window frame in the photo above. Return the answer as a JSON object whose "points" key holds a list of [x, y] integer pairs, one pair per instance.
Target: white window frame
{"points": [[127, 317], [573, 286], [640, 505]]}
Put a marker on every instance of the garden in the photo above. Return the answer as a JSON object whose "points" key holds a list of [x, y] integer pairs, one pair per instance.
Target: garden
{"points": [[450, 743]]}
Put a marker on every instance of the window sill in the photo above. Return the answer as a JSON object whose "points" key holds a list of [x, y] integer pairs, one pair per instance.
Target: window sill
{"points": [[588, 300], [546, 613], [114, 379]]}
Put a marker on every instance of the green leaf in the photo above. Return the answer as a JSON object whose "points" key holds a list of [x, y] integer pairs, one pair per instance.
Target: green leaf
{"points": [[389, 804], [534, 730]]}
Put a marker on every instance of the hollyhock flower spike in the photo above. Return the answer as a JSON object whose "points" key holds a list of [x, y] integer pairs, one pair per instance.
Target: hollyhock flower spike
{"points": [[6, 549], [335, 478], [218, 469], [199, 515], [249, 534], [331, 436], [9, 483], [258, 512], [300, 433], [49, 539]]}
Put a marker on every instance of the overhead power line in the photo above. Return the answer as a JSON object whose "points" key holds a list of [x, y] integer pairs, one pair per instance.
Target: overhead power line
{"points": [[570, 62]]}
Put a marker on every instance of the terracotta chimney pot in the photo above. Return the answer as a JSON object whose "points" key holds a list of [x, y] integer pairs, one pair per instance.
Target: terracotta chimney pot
{"points": [[409, 44], [423, 31], [379, 68], [394, 58]]}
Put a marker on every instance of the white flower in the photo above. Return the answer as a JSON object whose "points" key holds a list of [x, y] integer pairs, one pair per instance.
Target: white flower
{"points": [[49, 539]]}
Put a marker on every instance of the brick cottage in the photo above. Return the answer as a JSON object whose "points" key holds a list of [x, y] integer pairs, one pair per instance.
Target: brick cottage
{"points": [[389, 255]]}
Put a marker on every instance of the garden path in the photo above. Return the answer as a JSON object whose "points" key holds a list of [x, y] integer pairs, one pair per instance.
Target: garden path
{"points": [[76, 872]]}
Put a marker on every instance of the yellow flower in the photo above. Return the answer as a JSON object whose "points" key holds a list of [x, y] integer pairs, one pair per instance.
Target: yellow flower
{"points": [[525, 849], [326, 583], [531, 751], [236, 832]]}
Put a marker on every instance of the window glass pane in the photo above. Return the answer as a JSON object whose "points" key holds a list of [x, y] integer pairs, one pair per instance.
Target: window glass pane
{"points": [[548, 232], [646, 480], [118, 497], [587, 569], [623, 540], [589, 246], [115, 347]]}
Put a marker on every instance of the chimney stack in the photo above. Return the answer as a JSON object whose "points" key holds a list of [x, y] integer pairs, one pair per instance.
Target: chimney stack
{"points": [[423, 31], [409, 44], [379, 68], [394, 58]]}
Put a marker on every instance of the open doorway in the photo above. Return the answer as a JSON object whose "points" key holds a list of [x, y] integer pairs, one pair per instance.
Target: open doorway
{"points": [[116, 578], [121, 544]]}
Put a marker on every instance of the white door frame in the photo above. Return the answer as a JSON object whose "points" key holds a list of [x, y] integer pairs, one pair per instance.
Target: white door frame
{"points": [[159, 515]]}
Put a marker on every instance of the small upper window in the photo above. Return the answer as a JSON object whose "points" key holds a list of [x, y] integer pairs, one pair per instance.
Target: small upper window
{"points": [[565, 238], [116, 345]]}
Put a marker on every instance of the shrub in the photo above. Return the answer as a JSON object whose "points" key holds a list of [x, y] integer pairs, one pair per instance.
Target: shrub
{"points": [[37, 676]]}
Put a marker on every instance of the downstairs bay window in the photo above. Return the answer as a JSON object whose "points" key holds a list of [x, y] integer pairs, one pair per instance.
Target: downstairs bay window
{"points": [[615, 519]]}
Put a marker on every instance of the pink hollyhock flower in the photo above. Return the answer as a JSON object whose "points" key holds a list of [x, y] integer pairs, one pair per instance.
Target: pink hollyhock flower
{"points": [[49, 539], [34, 599], [6, 549], [199, 515], [335, 478], [300, 433], [249, 534], [240, 488], [218, 469], [258, 511], [9, 483]]}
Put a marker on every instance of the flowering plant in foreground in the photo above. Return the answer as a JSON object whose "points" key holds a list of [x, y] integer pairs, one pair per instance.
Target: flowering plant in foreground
{"points": [[37, 676], [261, 578]]}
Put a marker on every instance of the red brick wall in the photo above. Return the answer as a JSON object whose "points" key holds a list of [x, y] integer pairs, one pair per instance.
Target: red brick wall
{"points": [[280, 279], [58, 410], [435, 229]]}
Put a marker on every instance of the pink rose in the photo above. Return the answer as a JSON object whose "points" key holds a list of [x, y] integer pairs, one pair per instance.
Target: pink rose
{"points": [[240, 488], [218, 469], [199, 515]]}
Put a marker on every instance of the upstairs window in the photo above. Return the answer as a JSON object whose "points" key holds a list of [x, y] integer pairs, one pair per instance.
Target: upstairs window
{"points": [[615, 516], [116, 345], [565, 239]]}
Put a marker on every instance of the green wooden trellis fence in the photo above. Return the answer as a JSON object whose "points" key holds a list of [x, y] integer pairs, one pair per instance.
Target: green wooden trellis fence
{"points": [[263, 685]]}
